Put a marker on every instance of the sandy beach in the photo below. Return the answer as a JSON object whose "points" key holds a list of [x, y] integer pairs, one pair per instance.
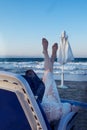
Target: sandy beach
{"points": [[76, 91]]}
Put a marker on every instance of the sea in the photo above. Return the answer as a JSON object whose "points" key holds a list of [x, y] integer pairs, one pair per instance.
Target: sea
{"points": [[73, 71]]}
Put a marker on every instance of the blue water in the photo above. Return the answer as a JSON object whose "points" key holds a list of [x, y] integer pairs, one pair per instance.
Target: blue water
{"points": [[76, 70]]}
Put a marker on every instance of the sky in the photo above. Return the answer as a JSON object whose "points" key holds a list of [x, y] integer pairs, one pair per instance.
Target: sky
{"points": [[23, 24]]}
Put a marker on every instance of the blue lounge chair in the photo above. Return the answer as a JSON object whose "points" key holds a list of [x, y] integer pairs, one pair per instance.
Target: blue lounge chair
{"points": [[19, 109]]}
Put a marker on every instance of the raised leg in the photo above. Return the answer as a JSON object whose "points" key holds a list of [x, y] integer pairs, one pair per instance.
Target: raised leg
{"points": [[47, 62], [54, 52]]}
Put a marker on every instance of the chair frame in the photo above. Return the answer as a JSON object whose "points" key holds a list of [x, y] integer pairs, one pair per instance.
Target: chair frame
{"points": [[17, 84]]}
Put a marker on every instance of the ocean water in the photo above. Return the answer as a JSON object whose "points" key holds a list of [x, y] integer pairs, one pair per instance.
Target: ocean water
{"points": [[73, 71]]}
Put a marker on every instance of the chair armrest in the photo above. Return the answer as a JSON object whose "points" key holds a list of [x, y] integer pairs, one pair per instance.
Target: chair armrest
{"points": [[74, 102], [66, 121]]}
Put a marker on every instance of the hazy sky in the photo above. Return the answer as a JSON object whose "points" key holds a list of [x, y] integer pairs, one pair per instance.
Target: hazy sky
{"points": [[23, 23]]}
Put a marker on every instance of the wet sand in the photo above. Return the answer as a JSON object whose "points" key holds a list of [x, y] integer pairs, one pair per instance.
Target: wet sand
{"points": [[76, 91]]}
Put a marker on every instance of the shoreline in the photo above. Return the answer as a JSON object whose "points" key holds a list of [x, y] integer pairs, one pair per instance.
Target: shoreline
{"points": [[72, 77], [76, 91], [69, 77]]}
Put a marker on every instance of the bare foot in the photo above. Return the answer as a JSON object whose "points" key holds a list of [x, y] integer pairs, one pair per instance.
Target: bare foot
{"points": [[54, 51], [45, 44]]}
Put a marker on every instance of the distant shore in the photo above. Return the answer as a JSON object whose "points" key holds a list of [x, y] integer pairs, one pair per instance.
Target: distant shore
{"points": [[76, 91]]}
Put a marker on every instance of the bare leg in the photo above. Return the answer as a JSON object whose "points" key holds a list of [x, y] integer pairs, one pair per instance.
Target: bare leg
{"points": [[48, 77], [47, 62], [54, 52]]}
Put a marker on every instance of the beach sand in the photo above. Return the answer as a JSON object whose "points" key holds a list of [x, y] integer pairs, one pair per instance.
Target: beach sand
{"points": [[76, 91]]}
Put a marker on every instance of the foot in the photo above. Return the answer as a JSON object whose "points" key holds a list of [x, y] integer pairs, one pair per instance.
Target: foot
{"points": [[54, 51], [45, 45]]}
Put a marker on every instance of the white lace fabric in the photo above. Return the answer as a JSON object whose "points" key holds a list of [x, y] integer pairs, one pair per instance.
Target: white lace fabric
{"points": [[51, 103]]}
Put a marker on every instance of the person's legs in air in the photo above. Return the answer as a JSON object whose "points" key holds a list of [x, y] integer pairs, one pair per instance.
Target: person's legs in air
{"points": [[48, 62], [48, 78]]}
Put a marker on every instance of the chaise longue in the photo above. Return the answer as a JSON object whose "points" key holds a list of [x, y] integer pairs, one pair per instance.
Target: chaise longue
{"points": [[19, 109]]}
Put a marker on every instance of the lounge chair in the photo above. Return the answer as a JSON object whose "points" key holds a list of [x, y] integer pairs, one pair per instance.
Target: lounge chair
{"points": [[19, 109]]}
